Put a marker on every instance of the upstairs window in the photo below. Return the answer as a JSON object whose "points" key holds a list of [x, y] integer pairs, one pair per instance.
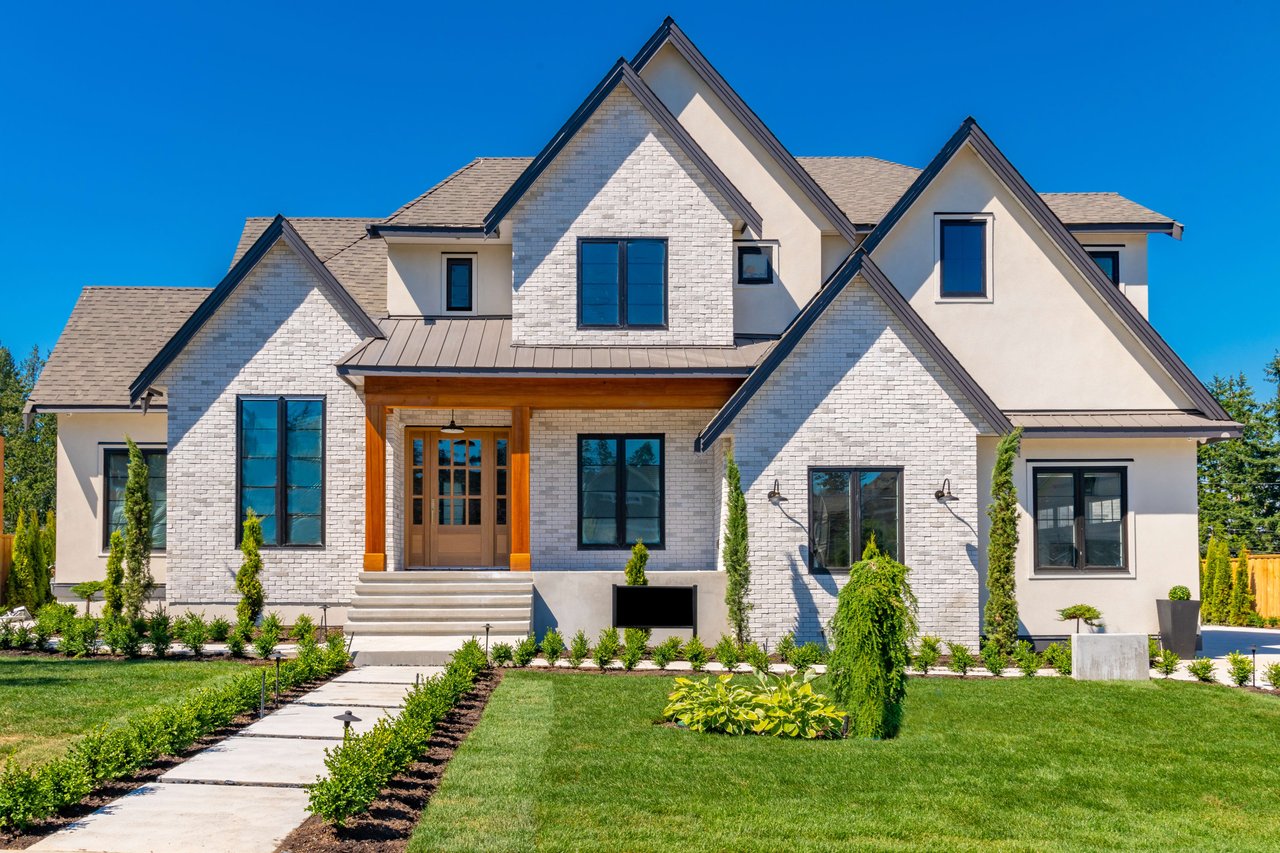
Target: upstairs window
{"points": [[622, 283], [1109, 261], [755, 263], [459, 282], [280, 444], [1080, 516], [962, 254], [115, 466]]}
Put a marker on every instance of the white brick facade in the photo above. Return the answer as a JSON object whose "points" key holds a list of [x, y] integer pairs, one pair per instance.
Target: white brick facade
{"points": [[275, 334], [859, 391], [622, 176]]}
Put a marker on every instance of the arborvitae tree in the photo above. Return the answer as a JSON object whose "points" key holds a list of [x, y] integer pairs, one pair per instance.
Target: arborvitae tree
{"points": [[1243, 605], [252, 597], [1001, 622], [873, 627], [138, 581], [113, 591], [28, 583], [635, 566], [737, 563], [1215, 606]]}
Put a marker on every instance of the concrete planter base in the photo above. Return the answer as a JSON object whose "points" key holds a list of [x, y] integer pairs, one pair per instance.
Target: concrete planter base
{"points": [[1109, 657]]}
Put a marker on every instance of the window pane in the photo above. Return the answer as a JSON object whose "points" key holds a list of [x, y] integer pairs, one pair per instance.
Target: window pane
{"points": [[302, 501], [259, 463], [417, 451], [1103, 519], [830, 519], [754, 264], [417, 510], [599, 283], [500, 512], [599, 531], [445, 515], [501, 486], [645, 529], [442, 451], [598, 451], [502, 452], [443, 481], [473, 482], [880, 497], [1109, 263], [303, 415], [303, 530], [473, 448], [473, 511], [1055, 519], [646, 277], [304, 473], [460, 452], [458, 284], [417, 482], [963, 253], [460, 511]]}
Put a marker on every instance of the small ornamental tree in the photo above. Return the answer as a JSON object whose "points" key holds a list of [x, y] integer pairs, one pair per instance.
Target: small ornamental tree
{"points": [[252, 597], [138, 581], [1242, 600], [113, 587], [1001, 614], [874, 624], [737, 565], [635, 566]]}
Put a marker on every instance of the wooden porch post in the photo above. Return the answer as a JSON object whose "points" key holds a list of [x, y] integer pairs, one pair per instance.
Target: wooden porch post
{"points": [[520, 561], [375, 488]]}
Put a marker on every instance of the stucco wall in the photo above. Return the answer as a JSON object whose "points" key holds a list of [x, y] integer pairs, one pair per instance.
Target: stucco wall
{"points": [[573, 601], [858, 392], [415, 278], [81, 441], [276, 334], [622, 176], [1162, 539]]}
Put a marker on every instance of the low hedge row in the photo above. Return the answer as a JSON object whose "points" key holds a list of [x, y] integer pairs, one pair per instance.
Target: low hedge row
{"points": [[363, 764], [29, 794]]}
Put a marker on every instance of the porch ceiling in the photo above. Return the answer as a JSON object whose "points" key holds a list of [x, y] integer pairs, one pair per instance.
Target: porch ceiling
{"points": [[549, 392]]}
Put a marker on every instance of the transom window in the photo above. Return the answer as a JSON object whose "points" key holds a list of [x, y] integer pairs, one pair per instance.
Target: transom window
{"points": [[459, 283], [1080, 515], [620, 491], [755, 264], [115, 466], [962, 254], [622, 283], [281, 468], [847, 506], [1109, 261]]}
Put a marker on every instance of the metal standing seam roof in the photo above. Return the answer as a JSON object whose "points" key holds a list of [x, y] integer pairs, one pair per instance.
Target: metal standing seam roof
{"points": [[1138, 422], [453, 345]]}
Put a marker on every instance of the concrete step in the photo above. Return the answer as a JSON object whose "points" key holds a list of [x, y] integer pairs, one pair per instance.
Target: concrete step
{"points": [[478, 615], [417, 650], [490, 588], [465, 628], [445, 576], [431, 599]]}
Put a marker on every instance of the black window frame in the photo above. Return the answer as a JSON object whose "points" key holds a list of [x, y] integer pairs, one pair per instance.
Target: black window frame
{"points": [[855, 522], [621, 243], [737, 257], [983, 223], [123, 450], [470, 261], [621, 490], [1079, 472], [282, 461], [1114, 255]]}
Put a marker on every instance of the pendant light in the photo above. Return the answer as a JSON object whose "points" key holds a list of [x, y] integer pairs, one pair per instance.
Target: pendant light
{"points": [[452, 428]]}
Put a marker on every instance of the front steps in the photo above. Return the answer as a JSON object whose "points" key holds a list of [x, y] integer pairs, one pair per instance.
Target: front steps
{"points": [[422, 617]]}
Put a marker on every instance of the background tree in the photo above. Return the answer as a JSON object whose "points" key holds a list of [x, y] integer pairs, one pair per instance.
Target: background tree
{"points": [[737, 563], [30, 463], [28, 583], [1243, 605], [248, 582], [1001, 616], [138, 581], [1216, 596]]}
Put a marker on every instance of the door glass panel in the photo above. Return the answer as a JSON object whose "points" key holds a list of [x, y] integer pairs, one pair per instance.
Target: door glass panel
{"points": [[443, 478], [446, 511], [501, 488], [459, 453], [502, 453], [417, 510], [417, 482], [474, 447], [459, 512], [417, 451], [500, 512], [442, 452], [473, 481]]}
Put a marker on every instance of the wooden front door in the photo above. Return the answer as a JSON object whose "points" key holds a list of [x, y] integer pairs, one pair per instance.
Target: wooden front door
{"points": [[456, 498]]}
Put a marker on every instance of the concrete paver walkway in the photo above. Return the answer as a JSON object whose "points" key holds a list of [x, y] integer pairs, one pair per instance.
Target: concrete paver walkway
{"points": [[244, 794]]}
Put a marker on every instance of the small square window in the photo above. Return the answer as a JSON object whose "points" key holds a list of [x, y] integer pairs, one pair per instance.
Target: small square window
{"points": [[1109, 261], [755, 264], [962, 254]]}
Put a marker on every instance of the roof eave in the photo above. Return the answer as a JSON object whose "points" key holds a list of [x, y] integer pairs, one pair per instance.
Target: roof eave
{"points": [[1173, 229]]}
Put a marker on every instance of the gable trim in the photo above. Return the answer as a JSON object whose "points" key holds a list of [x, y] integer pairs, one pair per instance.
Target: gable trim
{"points": [[280, 228], [857, 262], [623, 74], [1060, 234], [670, 33]]}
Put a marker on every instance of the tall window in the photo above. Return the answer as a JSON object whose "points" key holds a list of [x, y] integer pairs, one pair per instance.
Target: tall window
{"points": [[115, 464], [281, 467], [1080, 518], [620, 491], [1109, 261], [962, 252], [459, 283], [847, 506], [622, 283]]}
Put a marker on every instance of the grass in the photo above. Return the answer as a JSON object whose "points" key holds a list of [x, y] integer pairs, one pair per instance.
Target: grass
{"points": [[46, 702], [574, 761]]}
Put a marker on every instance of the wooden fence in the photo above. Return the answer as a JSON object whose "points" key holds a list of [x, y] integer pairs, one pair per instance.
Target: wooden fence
{"points": [[1265, 570]]}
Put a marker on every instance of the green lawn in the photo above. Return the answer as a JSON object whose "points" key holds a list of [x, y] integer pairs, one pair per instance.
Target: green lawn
{"points": [[575, 762], [45, 702]]}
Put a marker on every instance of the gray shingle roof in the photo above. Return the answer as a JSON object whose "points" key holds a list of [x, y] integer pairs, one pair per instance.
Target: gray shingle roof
{"points": [[864, 188], [464, 198], [452, 345], [357, 260], [112, 334]]}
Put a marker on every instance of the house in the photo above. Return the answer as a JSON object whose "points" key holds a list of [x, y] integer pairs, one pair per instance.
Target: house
{"points": [[538, 361]]}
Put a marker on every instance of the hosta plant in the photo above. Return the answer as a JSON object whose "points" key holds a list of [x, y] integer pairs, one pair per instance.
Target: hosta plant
{"points": [[788, 706], [707, 705], [775, 705]]}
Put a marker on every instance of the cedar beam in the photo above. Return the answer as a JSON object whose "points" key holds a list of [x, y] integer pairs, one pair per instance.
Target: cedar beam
{"points": [[519, 463], [375, 488], [483, 392]]}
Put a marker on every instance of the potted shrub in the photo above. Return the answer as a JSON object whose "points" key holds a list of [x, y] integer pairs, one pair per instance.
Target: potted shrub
{"points": [[1179, 621]]}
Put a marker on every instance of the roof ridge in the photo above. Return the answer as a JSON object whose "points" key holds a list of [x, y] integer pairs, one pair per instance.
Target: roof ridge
{"points": [[142, 287], [855, 157]]}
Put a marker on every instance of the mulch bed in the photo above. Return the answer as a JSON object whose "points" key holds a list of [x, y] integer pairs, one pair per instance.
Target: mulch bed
{"points": [[389, 823], [119, 787]]}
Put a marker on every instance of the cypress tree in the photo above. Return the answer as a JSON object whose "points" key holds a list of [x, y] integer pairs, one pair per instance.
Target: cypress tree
{"points": [[113, 591], [1217, 596], [28, 583], [138, 581], [252, 597], [635, 566], [1001, 615], [1242, 601], [737, 563]]}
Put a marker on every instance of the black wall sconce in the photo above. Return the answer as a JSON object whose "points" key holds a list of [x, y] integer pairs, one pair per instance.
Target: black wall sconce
{"points": [[944, 494], [775, 496]]}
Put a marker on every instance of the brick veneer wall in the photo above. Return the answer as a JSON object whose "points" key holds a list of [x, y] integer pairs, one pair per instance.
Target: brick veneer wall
{"points": [[622, 176], [859, 391], [276, 334]]}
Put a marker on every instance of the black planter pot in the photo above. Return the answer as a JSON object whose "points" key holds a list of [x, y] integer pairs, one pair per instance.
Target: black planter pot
{"points": [[1179, 626]]}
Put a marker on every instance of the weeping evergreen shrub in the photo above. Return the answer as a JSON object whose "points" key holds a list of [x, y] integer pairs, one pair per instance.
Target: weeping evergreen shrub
{"points": [[874, 624]]}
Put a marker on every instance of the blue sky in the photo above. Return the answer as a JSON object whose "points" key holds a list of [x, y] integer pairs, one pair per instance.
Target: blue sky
{"points": [[134, 138]]}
